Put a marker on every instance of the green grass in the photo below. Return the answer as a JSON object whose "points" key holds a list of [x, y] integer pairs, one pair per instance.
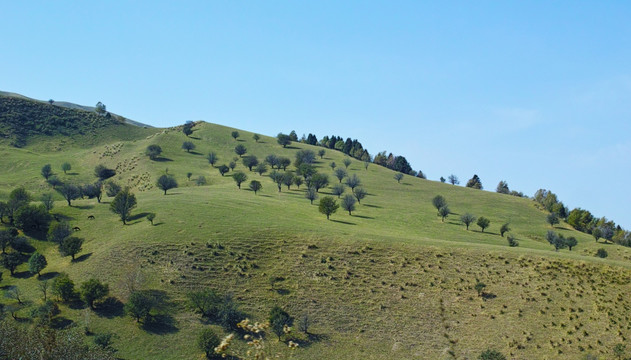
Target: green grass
{"points": [[391, 281]]}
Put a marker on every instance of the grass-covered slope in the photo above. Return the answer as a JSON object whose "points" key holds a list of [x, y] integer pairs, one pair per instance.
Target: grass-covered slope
{"points": [[23, 119], [390, 281]]}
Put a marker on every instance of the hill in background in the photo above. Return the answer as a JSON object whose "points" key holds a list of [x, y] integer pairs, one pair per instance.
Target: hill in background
{"points": [[390, 280]]}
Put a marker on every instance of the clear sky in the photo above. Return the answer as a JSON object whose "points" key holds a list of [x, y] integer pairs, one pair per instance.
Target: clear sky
{"points": [[536, 93]]}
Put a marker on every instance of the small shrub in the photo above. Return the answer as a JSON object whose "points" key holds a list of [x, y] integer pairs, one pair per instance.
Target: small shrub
{"points": [[602, 253], [512, 242]]}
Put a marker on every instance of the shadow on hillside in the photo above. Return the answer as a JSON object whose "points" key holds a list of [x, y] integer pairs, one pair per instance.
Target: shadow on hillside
{"points": [[363, 217], [372, 206], [560, 228], [49, 275], [406, 184], [62, 217], [110, 308], [343, 222], [23, 275], [454, 223], [83, 207], [72, 173], [484, 232], [162, 159], [138, 216], [61, 323], [158, 223], [194, 137], [282, 291], [194, 152], [488, 296], [83, 257], [162, 322]]}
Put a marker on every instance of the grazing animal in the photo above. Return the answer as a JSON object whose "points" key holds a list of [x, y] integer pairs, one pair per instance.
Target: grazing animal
{"points": [[76, 228], [91, 217]]}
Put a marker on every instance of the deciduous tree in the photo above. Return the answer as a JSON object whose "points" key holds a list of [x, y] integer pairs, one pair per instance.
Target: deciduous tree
{"points": [[443, 212], [255, 186], [359, 194], [47, 171], [166, 182], [123, 203], [311, 194], [398, 177], [36, 263], [153, 151], [188, 146], [453, 179], [69, 192], [475, 182], [212, 158], [279, 320], [283, 139], [328, 206], [260, 169], [552, 219], [240, 150], [239, 177], [70, 246], [439, 201], [348, 203], [250, 161], [504, 229], [223, 169], [467, 219], [234, 134], [338, 189], [93, 290], [483, 223]]}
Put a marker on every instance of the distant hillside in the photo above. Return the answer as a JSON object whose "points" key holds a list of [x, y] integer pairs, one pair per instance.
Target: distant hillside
{"points": [[21, 118], [70, 105]]}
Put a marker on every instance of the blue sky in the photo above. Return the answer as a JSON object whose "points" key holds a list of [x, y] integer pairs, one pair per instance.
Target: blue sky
{"points": [[534, 93]]}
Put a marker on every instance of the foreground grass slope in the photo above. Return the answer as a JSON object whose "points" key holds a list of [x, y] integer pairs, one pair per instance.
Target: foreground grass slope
{"points": [[390, 281]]}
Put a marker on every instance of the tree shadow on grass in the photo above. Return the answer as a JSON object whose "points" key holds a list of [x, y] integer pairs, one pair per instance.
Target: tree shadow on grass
{"points": [[83, 257], [454, 223], [49, 275], [60, 323], [343, 222], [76, 304], [488, 296], [282, 291], [483, 232], [162, 322], [162, 159], [83, 207], [23, 275], [372, 206], [138, 216], [194, 137], [311, 339], [363, 217], [72, 173], [158, 224], [194, 152], [110, 308]]}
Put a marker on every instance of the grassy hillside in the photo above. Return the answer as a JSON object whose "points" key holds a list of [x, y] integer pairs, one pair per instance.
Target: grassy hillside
{"points": [[23, 119], [390, 281]]}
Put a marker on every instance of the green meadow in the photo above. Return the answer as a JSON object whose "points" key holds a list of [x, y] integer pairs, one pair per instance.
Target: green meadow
{"points": [[390, 281]]}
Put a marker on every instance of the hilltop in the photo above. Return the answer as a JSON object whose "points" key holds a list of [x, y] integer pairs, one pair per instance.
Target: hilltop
{"points": [[22, 117], [389, 281]]}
